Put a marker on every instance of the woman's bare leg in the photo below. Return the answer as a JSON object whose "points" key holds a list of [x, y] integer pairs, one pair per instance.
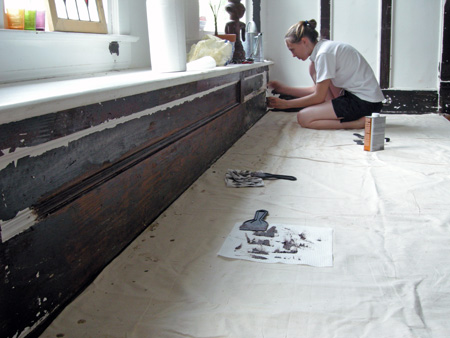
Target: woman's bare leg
{"points": [[322, 116]]}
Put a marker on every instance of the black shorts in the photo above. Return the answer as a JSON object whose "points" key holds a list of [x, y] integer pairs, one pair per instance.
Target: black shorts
{"points": [[349, 107]]}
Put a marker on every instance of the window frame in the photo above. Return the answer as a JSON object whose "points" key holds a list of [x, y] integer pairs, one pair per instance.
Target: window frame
{"points": [[66, 25]]}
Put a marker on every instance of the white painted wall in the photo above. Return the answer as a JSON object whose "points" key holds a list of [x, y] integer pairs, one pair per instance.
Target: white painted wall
{"points": [[357, 23], [134, 22], [416, 41], [276, 18], [137, 23]]}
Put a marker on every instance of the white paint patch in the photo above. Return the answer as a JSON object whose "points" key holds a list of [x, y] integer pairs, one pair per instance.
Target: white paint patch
{"points": [[23, 220], [260, 90], [28, 330]]}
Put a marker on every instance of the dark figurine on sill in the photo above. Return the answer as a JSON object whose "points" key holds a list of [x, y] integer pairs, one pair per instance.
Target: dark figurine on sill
{"points": [[236, 11]]}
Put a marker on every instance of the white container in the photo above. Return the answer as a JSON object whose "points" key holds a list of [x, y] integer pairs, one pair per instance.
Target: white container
{"points": [[258, 51], [167, 35], [249, 43]]}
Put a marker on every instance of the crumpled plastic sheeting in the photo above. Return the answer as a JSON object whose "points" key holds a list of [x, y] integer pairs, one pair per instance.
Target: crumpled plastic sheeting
{"points": [[220, 50], [391, 223]]}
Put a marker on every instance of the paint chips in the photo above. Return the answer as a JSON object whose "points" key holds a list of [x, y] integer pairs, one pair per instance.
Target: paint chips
{"points": [[289, 244]]}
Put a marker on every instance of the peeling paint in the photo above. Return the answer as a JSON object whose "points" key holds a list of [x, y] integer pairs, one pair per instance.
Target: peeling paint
{"points": [[40, 149], [28, 329], [260, 90], [23, 220], [27, 218]]}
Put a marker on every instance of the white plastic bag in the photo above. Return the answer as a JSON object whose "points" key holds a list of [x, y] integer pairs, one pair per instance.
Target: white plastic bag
{"points": [[220, 50]]}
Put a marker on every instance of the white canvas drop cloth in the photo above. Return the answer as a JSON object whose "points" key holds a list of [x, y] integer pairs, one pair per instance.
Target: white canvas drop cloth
{"points": [[390, 216]]}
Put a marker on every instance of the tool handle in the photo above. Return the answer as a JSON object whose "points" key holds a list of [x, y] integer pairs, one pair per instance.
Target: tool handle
{"points": [[282, 177], [260, 215]]}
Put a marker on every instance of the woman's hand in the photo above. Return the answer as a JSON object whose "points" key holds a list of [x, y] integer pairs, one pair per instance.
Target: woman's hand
{"points": [[277, 103], [276, 86]]}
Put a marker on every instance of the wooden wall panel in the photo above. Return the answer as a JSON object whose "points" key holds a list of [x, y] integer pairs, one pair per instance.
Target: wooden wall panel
{"points": [[54, 125], [94, 196], [38, 178]]}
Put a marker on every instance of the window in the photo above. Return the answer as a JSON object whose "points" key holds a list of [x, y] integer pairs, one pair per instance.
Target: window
{"points": [[208, 9], [62, 15], [77, 16], [31, 55], [218, 6]]}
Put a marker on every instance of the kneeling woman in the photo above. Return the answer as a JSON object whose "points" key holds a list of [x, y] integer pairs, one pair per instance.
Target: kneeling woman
{"points": [[345, 87]]}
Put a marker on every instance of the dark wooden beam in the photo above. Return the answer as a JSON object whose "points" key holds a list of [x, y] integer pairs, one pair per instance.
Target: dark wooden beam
{"points": [[257, 14], [325, 18], [444, 90], [445, 66], [386, 28]]}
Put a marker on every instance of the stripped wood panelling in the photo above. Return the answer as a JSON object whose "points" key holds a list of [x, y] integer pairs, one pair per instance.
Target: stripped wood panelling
{"points": [[92, 193]]}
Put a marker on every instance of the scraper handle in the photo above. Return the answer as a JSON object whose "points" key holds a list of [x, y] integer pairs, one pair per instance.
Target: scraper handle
{"points": [[282, 177], [260, 215], [269, 176], [257, 223]]}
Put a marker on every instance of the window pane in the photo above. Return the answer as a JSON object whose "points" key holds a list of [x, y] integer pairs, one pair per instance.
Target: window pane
{"points": [[83, 10], [93, 11], [207, 16], [72, 9], [61, 9], [80, 10]]}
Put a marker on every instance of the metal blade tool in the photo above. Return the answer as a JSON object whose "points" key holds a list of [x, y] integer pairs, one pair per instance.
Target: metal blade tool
{"points": [[257, 223]]}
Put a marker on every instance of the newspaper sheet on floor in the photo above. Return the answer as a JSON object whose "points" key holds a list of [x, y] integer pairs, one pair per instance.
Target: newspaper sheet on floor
{"points": [[281, 243]]}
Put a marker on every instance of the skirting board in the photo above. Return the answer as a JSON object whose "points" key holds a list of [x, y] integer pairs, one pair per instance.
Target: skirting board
{"points": [[411, 101]]}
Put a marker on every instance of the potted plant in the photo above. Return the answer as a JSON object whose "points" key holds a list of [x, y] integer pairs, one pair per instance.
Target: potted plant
{"points": [[215, 10]]}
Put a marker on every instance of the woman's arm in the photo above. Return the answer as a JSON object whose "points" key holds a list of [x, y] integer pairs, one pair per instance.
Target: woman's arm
{"points": [[317, 96], [280, 88]]}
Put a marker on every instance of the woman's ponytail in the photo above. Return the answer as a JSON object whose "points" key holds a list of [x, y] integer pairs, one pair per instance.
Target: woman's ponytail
{"points": [[302, 29]]}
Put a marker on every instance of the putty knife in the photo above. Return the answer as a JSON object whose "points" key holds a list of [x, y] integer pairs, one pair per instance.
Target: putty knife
{"points": [[256, 224]]}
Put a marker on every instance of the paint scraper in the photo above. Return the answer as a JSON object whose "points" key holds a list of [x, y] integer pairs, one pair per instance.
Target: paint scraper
{"points": [[257, 223]]}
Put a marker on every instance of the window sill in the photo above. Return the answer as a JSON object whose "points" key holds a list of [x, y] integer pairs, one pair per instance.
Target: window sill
{"points": [[35, 55], [11, 34], [24, 100]]}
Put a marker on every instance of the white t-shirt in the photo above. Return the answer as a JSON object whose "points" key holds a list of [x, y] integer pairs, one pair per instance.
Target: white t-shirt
{"points": [[346, 68]]}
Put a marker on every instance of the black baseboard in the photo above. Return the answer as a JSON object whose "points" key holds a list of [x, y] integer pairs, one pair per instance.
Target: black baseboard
{"points": [[411, 101]]}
